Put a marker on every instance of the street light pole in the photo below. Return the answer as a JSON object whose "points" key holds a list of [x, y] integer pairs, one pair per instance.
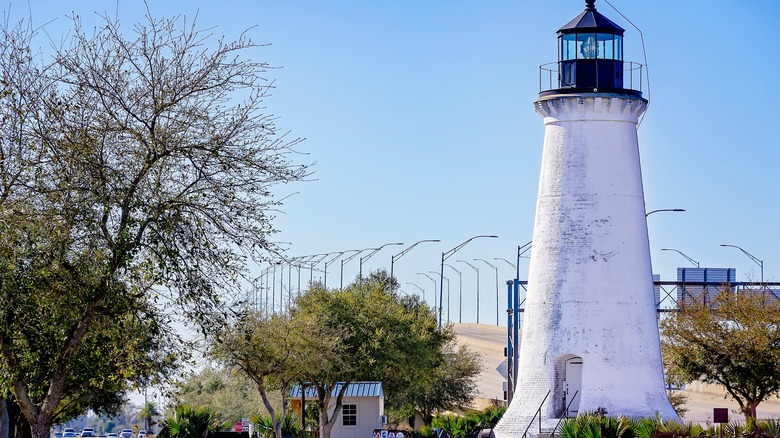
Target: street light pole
{"points": [[522, 249], [444, 256], [289, 283], [755, 259], [434, 287], [448, 294], [327, 262], [259, 297], [514, 266], [314, 262], [299, 279], [497, 287], [402, 253], [376, 250], [460, 293], [343, 261], [273, 291], [682, 254], [477, 270], [265, 290]]}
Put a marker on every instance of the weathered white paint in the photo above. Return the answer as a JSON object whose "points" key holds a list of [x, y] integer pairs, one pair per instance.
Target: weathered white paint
{"points": [[590, 289]]}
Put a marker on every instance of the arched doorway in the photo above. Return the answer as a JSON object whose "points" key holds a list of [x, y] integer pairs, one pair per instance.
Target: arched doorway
{"points": [[572, 385]]}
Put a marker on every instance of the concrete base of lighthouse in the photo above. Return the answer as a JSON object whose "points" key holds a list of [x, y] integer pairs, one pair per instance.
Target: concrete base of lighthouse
{"points": [[590, 337]]}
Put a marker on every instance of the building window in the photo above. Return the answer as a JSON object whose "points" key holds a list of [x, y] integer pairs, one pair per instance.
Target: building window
{"points": [[349, 415]]}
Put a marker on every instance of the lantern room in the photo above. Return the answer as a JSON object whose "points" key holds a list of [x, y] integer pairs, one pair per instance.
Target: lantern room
{"points": [[590, 53]]}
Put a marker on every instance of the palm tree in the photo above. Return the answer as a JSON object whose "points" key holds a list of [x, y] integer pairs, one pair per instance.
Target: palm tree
{"points": [[147, 412], [189, 422], [489, 417]]}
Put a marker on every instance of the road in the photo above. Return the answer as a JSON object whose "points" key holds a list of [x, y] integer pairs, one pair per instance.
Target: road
{"points": [[489, 341]]}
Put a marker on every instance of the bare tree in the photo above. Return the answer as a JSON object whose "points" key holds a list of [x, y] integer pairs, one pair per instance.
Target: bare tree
{"points": [[134, 171]]}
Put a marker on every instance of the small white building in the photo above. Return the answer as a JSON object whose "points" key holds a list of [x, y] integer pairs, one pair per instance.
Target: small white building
{"points": [[362, 409]]}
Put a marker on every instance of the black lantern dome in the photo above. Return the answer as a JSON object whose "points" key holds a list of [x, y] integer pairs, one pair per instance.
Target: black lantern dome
{"points": [[590, 54]]}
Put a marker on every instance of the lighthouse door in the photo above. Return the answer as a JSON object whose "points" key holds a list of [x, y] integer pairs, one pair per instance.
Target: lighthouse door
{"points": [[573, 385]]}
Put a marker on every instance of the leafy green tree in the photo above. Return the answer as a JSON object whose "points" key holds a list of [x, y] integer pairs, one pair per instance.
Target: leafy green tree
{"points": [[135, 173], [733, 342], [387, 338], [231, 395], [276, 351], [448, 385]]}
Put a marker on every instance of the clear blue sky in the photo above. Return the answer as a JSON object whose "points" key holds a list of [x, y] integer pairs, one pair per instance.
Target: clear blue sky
{"points": [[419, 116]]}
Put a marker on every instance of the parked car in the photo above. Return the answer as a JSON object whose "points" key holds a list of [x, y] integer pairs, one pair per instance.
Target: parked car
{"points": [[127, 433], [88, 432], [69, 435], [56, 435], [112, 435], [69, 429], [142, 433]]}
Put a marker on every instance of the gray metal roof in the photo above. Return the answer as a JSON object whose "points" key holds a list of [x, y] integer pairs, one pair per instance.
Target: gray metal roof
{"points": [[354, 389], [591, 20]]}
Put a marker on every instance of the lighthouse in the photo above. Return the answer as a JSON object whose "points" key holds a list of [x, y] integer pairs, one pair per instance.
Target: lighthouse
{"points": [[590, 337]]}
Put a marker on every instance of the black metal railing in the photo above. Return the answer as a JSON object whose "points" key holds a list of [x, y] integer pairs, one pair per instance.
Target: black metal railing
{"points": [[565, 414], [537, 414], [550, 76]]}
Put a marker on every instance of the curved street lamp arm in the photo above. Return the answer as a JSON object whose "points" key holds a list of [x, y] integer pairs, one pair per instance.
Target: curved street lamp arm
{"points": [[472, 266], [522, 249], [403, 253], [357, 252], [338, 254], [682, 254], [434, 272], [310, 258], [489, 264], [447, 254], [755, 259], [429, 277], [514, 266], [415, 285], [453, 268], [376, 250], [663, 209]]}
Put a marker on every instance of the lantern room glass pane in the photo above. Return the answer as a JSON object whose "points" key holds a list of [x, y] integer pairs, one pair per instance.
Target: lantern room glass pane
{"points": [[587, 47], [568, 47], [619, 47], [606, 46]]}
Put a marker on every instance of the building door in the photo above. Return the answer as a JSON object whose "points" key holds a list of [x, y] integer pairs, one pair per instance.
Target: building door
{"points": [[573, 386]]}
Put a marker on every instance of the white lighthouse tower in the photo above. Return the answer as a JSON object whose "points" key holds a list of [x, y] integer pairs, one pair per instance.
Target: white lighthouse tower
{"points": [[590, 336]]}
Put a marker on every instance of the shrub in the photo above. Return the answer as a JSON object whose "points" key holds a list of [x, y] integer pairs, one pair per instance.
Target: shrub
{"points": [[598, 425], [290, 426], [424, 432], [769, 427], [190, 422]]}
